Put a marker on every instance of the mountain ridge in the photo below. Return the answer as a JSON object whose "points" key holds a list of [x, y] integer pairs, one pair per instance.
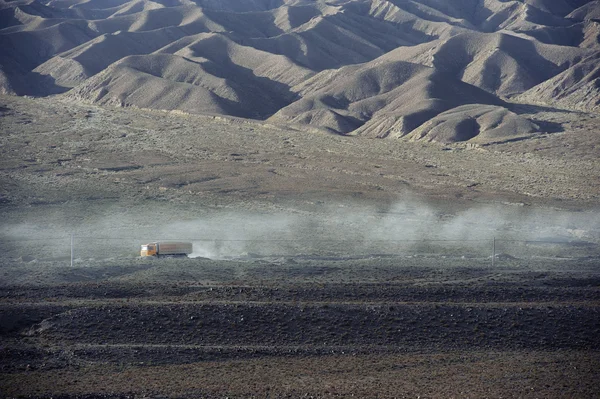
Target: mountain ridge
{"points": [[414, 69]]}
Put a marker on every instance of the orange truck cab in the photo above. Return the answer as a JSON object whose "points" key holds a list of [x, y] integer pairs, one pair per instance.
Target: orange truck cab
{"points": [[166, 249], [148, 250]]}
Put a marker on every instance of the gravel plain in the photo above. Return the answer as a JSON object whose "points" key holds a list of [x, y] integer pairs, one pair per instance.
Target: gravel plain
{"points": [[321, 269]]}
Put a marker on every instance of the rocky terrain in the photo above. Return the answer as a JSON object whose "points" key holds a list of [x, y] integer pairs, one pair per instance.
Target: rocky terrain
{"points": [[55, 151], [324, 266], [369, 328]]}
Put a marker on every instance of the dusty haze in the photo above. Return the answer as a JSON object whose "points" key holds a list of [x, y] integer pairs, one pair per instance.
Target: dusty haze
{"points": [[348, 230]]}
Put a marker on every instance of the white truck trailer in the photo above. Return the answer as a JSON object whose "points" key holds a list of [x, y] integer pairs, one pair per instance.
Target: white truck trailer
{"points": [[166, 248]]}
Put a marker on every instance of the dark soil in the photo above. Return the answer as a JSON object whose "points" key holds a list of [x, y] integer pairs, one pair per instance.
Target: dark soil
{"points": [[61, 339]]}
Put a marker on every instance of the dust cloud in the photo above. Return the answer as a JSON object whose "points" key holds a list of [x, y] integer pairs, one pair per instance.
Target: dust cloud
{"points": [[409, 226], [348, 230]]}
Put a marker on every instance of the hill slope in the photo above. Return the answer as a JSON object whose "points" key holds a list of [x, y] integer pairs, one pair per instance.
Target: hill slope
{"points": [[408, 92], [378, 68]]}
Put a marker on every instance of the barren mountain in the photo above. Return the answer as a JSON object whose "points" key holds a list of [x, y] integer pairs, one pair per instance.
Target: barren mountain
{"points": [[480, 123], [577, 87], [377, 68], [206, 71], [409, 92]]}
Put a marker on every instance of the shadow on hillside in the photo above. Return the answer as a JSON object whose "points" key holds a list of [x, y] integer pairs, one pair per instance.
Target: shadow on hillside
{"points": [[41, 86], [544, 125], [549, 127], [521, 109], [251, 88]]}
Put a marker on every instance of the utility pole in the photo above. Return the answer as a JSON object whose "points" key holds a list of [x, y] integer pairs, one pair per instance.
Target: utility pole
{"points": [[493, 251]]}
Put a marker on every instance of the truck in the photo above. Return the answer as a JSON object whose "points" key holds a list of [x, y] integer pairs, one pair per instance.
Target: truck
{"points": [[166, 248]]}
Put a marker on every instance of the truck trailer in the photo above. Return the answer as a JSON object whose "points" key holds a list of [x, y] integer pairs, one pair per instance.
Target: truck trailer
{"points": [[165, 248]]}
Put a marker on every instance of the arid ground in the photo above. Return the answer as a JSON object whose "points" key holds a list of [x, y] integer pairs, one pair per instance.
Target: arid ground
{"points": [[325, 266]]}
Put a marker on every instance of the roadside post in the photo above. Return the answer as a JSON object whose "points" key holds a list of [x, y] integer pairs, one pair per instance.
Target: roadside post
{"points": [[493, 251]]}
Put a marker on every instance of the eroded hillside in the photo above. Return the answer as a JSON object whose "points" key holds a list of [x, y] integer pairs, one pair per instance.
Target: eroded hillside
{"points": [[378, 68]]}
